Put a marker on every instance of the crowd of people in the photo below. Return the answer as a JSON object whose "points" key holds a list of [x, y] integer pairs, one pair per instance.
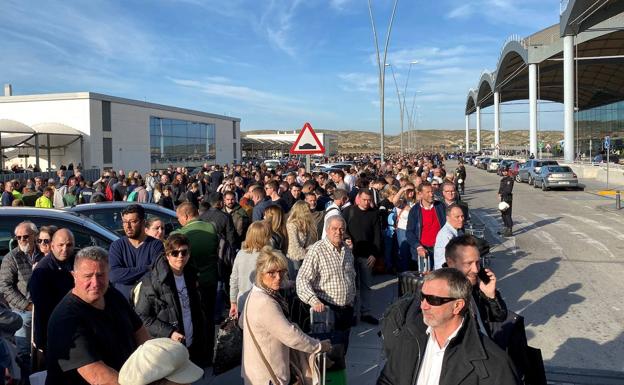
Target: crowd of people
{"points": [[264, 239]]}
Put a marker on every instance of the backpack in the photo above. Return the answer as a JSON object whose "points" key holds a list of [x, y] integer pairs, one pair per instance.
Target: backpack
{"points": [[394, 319], [132, 197]]}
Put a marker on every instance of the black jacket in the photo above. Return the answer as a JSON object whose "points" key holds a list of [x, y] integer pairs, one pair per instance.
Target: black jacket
{"points": [[364, 229], [223, 223], [159, 307], [469, 359], [506, 188], [490, 310]]}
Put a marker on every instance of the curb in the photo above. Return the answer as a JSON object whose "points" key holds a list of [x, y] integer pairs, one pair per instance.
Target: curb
{"points": [[577, 376]]}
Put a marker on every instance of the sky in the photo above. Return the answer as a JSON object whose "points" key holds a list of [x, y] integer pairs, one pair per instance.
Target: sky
{"points": [[275, 64]]}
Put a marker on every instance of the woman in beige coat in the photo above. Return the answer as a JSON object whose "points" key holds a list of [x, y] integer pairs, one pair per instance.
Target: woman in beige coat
{"points": [[301, 232], [264, 320]]}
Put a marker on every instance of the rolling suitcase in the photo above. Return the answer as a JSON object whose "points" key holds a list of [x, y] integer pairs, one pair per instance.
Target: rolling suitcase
{"points": [[410, 282], [322, 328]]}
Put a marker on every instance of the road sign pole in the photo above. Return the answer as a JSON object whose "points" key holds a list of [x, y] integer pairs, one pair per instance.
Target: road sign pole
{"points": [[308, 164], [608, 168]]}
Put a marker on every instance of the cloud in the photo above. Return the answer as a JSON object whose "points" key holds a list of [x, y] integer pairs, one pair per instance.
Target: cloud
{"points": [[242, 93], [359, 82], [338, 5], [461, 12], [526, 13], [277, 24]]}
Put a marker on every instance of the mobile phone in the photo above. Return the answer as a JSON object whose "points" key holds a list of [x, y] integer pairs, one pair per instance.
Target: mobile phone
{"points": [[483, 276]]}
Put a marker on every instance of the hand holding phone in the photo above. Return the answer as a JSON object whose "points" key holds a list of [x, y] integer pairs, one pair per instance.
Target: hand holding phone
{"points": [[483, 276]]}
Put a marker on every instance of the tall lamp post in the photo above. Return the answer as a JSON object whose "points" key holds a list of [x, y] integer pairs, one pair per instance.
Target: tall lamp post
{"points": [[382, 68], [402, 103]]}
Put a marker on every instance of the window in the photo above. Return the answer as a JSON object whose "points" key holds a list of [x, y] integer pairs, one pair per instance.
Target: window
{"points": [[106, 116], [175, 140], [107, 150], [234, 129], [234, 154]]}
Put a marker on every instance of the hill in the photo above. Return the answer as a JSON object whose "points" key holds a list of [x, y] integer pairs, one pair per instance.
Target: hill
{"points": [[365, 141]]}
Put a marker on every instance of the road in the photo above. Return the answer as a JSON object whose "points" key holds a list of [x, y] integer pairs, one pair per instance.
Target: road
{"points": [[562, 270]]}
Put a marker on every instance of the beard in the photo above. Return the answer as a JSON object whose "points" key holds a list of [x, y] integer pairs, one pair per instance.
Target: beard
{"points": [[26, 249]]}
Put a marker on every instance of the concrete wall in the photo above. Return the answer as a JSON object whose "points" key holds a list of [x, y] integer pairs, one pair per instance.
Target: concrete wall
{"points": [[599, 173]]}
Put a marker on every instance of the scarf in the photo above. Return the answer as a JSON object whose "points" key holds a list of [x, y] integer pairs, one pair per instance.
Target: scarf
{"points": [[277, 296]]}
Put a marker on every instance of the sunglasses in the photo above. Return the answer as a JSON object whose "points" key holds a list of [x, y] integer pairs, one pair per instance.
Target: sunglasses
{"points": [[181, 252], [274, 273], [434, 300], [44, 241], [22, 237]]}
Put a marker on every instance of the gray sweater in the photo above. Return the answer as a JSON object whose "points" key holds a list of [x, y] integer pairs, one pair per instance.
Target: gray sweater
{"points": [[243, 276]]}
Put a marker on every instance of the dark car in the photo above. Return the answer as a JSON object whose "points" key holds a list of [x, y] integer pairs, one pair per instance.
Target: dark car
{"points": [[108, 214], [86, 232], [506, 163]]}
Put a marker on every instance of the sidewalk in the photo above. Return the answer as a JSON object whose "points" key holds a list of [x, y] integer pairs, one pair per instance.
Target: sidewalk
{"points": [[365, 356]]}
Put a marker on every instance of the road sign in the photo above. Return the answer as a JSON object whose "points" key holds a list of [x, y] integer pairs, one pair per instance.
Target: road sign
{"points": [[607, 142], [548, 147], [307, 142]]}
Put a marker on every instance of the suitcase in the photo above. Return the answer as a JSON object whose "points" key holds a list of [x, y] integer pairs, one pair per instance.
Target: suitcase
{"points": [[322, 328], [330, 377], [410, 282]]}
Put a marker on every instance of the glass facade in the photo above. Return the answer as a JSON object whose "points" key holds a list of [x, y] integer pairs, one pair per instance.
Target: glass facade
{"points": [[596, 123], [181, 141]]}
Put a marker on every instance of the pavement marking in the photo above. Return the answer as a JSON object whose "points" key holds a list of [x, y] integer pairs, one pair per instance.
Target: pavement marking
{"points": [[597, 225], [549, 240], [585, 238]]}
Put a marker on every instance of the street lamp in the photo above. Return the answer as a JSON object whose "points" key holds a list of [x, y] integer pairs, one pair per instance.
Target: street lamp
{"points": [[382, 68], [402, 103]]}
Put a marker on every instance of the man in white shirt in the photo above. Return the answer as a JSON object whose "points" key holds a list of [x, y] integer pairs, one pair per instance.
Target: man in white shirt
{"points": [[452, 229], [432, 339], [341, 201]]}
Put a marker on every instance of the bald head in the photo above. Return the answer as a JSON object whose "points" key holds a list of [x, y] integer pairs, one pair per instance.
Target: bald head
{"points": [[62, 244]]}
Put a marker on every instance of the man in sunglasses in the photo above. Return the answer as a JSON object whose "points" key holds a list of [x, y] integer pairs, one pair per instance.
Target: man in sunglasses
{"points": [[15, 273], [463, 254], [433, 339]]}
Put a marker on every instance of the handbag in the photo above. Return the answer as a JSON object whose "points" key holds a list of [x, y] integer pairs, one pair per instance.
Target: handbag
{"points": [[228, 348], [296, 377]]}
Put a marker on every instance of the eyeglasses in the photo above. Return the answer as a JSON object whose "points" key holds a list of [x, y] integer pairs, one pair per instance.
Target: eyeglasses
{"points": [[22, 237], [274, 273], [450, 191], [181, 252], [434, 300], [44, 241], [134, 222]]}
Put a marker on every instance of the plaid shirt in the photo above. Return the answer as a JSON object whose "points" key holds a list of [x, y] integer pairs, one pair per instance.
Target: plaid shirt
{"points": [[327, 274]]}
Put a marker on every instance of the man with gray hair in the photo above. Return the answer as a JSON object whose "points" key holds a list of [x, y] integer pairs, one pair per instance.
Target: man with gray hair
{"points": [[433, 338], [327, 276], [93, 330], [15, 274]]}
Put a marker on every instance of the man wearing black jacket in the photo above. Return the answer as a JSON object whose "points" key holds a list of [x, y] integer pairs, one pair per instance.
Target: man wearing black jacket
{"points": [[462, 253], [364, 231], [432, 339]]}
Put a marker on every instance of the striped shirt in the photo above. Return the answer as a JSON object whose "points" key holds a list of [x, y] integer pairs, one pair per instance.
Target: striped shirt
{"points": [[327, 274]]}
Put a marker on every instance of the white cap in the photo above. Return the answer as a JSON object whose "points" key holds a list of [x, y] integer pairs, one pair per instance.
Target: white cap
{"points": [[157, 359]]}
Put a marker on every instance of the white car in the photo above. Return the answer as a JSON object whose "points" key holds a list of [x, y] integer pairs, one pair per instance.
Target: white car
{"points": [[494, 164]]}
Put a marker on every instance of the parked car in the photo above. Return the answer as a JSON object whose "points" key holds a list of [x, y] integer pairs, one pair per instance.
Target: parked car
{"points": [[555, 177], [494, 164], [513, 169], [477, 160], [484, 164], [506, 163], [532, 166], [86, 232], [108, 214], [272, 164]]}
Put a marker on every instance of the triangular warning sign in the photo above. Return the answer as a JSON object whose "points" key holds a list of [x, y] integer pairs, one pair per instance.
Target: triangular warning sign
{"points": [[307, 142]]}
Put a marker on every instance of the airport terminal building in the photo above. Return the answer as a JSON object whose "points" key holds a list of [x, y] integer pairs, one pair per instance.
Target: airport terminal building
{"points": [[102, 131]]}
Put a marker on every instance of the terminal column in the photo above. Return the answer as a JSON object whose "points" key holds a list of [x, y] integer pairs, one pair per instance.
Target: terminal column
{"points": [[496, 121], [533, 109], [568, 98], [467, 133], [478, 129]]}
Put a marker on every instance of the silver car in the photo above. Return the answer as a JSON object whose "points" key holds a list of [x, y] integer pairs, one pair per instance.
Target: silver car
{"points": [[494, 164], [86, 232], [555, 177]]}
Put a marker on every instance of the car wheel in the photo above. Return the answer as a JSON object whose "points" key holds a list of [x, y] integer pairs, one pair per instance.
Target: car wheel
{"points": [[544, 188], [530, 180], [518, 179]]}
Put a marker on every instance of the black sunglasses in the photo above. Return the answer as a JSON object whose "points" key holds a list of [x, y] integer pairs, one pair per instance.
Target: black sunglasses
{"points": [[434, 300], [44, 241], [22, 237], [181, 252]]}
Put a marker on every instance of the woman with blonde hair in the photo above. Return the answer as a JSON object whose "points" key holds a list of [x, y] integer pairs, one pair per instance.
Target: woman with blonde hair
{"points": [[270, 341], [243, 270], [275, 216], [301, 230]]}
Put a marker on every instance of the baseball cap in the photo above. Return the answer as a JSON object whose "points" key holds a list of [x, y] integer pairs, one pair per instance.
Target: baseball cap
{"points": [[157, 359]]}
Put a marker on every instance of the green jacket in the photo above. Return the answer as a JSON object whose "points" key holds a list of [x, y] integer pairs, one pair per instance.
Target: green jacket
{"points": [[204, 244]]}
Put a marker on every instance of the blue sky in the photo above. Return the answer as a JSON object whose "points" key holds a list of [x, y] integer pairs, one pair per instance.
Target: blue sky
{"points": [[274, 63]]}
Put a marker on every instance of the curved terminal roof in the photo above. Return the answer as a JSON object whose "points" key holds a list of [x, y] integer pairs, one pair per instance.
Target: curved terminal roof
{"points": [[580, 15], [600, 74]]}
